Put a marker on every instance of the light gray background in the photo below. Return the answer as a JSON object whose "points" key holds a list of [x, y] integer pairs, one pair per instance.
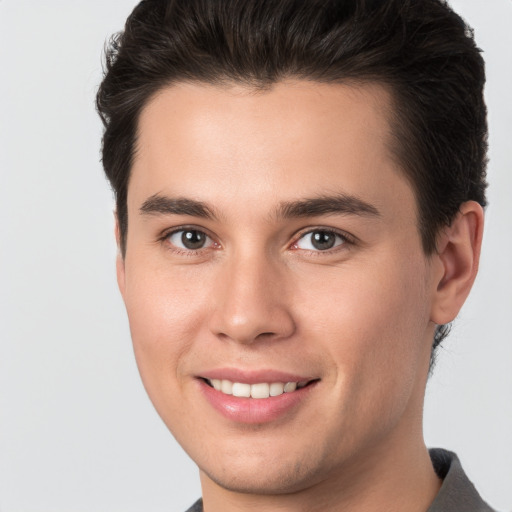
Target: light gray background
{"points": [[77, 432]]}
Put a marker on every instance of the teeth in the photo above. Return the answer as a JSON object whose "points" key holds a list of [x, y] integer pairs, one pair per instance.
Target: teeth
{"points": [[240, 389], [260, 390], [226, 387], [290, 386], [276, 389]]}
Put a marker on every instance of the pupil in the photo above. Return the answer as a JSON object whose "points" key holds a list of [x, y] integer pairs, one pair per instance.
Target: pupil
{"points": [[193, 239], [323, 240]]}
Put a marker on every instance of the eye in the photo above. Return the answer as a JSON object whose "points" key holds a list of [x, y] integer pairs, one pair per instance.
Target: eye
{"points": [[189, 239], [320, 240]]}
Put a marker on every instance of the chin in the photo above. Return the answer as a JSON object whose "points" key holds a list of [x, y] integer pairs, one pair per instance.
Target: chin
{"points": [[286, 480], [264, 477]]}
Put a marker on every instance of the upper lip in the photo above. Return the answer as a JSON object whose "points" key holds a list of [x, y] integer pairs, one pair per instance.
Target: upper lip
{"points": [[253, 376]]}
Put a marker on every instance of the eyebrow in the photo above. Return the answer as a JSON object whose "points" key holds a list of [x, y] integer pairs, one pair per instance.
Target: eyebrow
{"points": [[158, 204], [339, 204]]}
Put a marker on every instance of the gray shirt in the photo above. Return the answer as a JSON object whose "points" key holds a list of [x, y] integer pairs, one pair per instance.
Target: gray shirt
{"points": [[457, 493]]}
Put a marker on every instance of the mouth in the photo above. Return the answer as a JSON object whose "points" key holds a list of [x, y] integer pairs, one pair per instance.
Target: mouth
{"points": [[259, 390], [255, 396]]}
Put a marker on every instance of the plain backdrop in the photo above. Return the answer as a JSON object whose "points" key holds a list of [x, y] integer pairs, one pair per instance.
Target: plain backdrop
{"points": [[77, 432]]}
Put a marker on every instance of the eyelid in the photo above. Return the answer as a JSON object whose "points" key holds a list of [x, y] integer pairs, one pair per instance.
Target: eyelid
{"points": [[347, 238], [164, 239]]}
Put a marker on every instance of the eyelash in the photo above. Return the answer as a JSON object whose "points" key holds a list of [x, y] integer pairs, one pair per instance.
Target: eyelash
{"points": [[164, 239], [346, 240]]}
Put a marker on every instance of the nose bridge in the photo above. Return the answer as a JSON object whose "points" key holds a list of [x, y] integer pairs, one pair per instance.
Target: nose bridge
{"points": [[251, 299]]}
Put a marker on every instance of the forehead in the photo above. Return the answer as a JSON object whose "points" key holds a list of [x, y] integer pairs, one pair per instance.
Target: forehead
{"points": [[297, 138]]}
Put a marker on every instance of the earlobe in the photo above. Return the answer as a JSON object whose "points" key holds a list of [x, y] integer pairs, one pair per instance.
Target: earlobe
{"points": [[457, 259], [120, 270]]}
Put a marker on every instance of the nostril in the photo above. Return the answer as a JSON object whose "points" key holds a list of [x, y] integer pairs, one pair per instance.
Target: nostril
{"points": [[265, 334]]}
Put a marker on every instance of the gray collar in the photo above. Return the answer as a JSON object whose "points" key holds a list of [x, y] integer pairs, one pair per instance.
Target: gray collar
{"points": [[457, 493]]}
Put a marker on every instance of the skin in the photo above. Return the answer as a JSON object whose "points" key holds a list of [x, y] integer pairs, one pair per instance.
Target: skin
{"points": [[359, 317]]}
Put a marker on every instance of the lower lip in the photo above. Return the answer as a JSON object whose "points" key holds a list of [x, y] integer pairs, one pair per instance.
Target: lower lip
{"points": [[254, 410]]}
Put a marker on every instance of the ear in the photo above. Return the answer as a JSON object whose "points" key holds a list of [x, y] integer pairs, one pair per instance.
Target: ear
{"points": [[456, 262], [120, 269]]}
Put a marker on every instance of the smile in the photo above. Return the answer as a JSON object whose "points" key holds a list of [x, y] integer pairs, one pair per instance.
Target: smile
{"points": [[255, 397], [258, 390]]}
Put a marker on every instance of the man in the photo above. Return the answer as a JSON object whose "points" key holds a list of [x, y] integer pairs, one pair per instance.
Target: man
{"points": [[300, 189]]}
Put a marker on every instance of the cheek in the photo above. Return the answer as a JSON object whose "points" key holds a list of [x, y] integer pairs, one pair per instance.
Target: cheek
{"points": [[164, 310], [373, 324]]}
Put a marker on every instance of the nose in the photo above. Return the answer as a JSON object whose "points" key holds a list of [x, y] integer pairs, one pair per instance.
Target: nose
{"points": [[251, 302]]}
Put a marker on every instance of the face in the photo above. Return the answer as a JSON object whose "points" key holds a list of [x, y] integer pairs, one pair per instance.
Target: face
{"points": [[278, 295]]}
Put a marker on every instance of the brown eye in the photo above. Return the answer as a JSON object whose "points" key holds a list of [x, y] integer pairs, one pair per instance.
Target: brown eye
{"points": [[190, 239], [320, 240]]}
